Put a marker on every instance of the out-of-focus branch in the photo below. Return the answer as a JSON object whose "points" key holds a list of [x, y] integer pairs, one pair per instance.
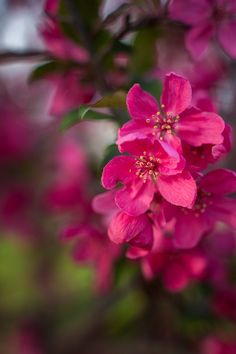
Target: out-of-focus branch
{"points": [[86, 39], [31, 55]]}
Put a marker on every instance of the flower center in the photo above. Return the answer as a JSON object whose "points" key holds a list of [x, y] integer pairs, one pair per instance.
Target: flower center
{"points": [[147, 167], [163, 122], [200, 205]]}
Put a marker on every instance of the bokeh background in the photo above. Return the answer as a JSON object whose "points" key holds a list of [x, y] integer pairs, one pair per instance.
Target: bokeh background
{"points": [[65, 295]]}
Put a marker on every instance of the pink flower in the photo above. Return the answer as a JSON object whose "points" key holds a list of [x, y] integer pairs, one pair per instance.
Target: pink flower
{"points": [[51, 6], [215, 345], [137, 231], [70, 92], [211, 205], [92, 247], [177, 268], [150, 168], [199, 157], [208, 19], [219, 248], [59, 45], [175, 121]]}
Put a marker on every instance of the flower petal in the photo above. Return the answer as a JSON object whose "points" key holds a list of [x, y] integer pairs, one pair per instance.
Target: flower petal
{"points": [[132, 130], [189, 229], [177, 94], [104, 203], [227, 38], [126, 228], [197, 39], [179, 190], [176, 277], [191, 12], [198, 128], [117, 170], [141, 104], [224, 209], [135, 199], [220, 182]]}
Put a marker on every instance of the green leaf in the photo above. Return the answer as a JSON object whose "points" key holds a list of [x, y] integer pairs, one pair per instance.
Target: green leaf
{"points": [[115, 100], [83, 113], [110, 152], [154, 87], [45, 69], [144, 54]]}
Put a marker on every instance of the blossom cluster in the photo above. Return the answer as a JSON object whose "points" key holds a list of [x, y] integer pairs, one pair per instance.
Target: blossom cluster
{"points": [[160, 199]]}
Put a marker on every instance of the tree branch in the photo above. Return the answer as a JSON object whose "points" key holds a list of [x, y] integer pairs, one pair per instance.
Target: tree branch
{"points": [[31, 55]]}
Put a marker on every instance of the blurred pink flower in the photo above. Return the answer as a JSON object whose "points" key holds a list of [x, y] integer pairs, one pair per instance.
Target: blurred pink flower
{"points": [[216, 345], [211, 205], [208, 19], [177, 268], [92, 247]]}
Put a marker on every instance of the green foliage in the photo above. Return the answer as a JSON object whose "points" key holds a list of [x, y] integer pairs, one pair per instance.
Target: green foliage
{"points": [[144, 51], [45, 69], [114, 100], [78, 115]]}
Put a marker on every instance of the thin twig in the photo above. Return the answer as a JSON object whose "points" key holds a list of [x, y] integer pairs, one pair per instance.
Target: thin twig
{"points": [[12, 56]]}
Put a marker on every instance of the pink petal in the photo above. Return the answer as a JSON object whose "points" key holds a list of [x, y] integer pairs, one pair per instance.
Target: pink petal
{"points": [[125, 228], [224, 209], [191, 11], [141, 104], [117, 170], [227, 38], [198, 128], [177, 94], [104, 203], [176, 277], [220, 182], [189, 229], [195, 262], [179, 190], [221, 149], [197, 39], [135, 199], [136, 252], [132, 130]]}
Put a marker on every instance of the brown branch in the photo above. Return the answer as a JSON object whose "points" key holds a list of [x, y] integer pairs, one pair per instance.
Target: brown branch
{"points": [[31, 55]]}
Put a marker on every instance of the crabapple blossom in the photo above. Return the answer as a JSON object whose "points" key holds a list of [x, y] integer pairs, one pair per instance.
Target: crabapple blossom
{"points": [[175, 121], [151, 167], [208, 19]]}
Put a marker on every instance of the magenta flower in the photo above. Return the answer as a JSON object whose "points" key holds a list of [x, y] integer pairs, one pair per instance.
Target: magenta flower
{"points": [[177, 268], [209, 19], [211, 205], [92, 247], [150, 168], [199, 157], [175, 121]]}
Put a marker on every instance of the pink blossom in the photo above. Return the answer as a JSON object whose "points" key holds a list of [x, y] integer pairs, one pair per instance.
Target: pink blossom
{"points": [[212, 204], [219, 248], [137, 231], [150, 168], [70, 92], [199, 157], [92, 247], [208, 19], [177, 268], [175, 121], [59, 45], [51, 6], [217, 345]]}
